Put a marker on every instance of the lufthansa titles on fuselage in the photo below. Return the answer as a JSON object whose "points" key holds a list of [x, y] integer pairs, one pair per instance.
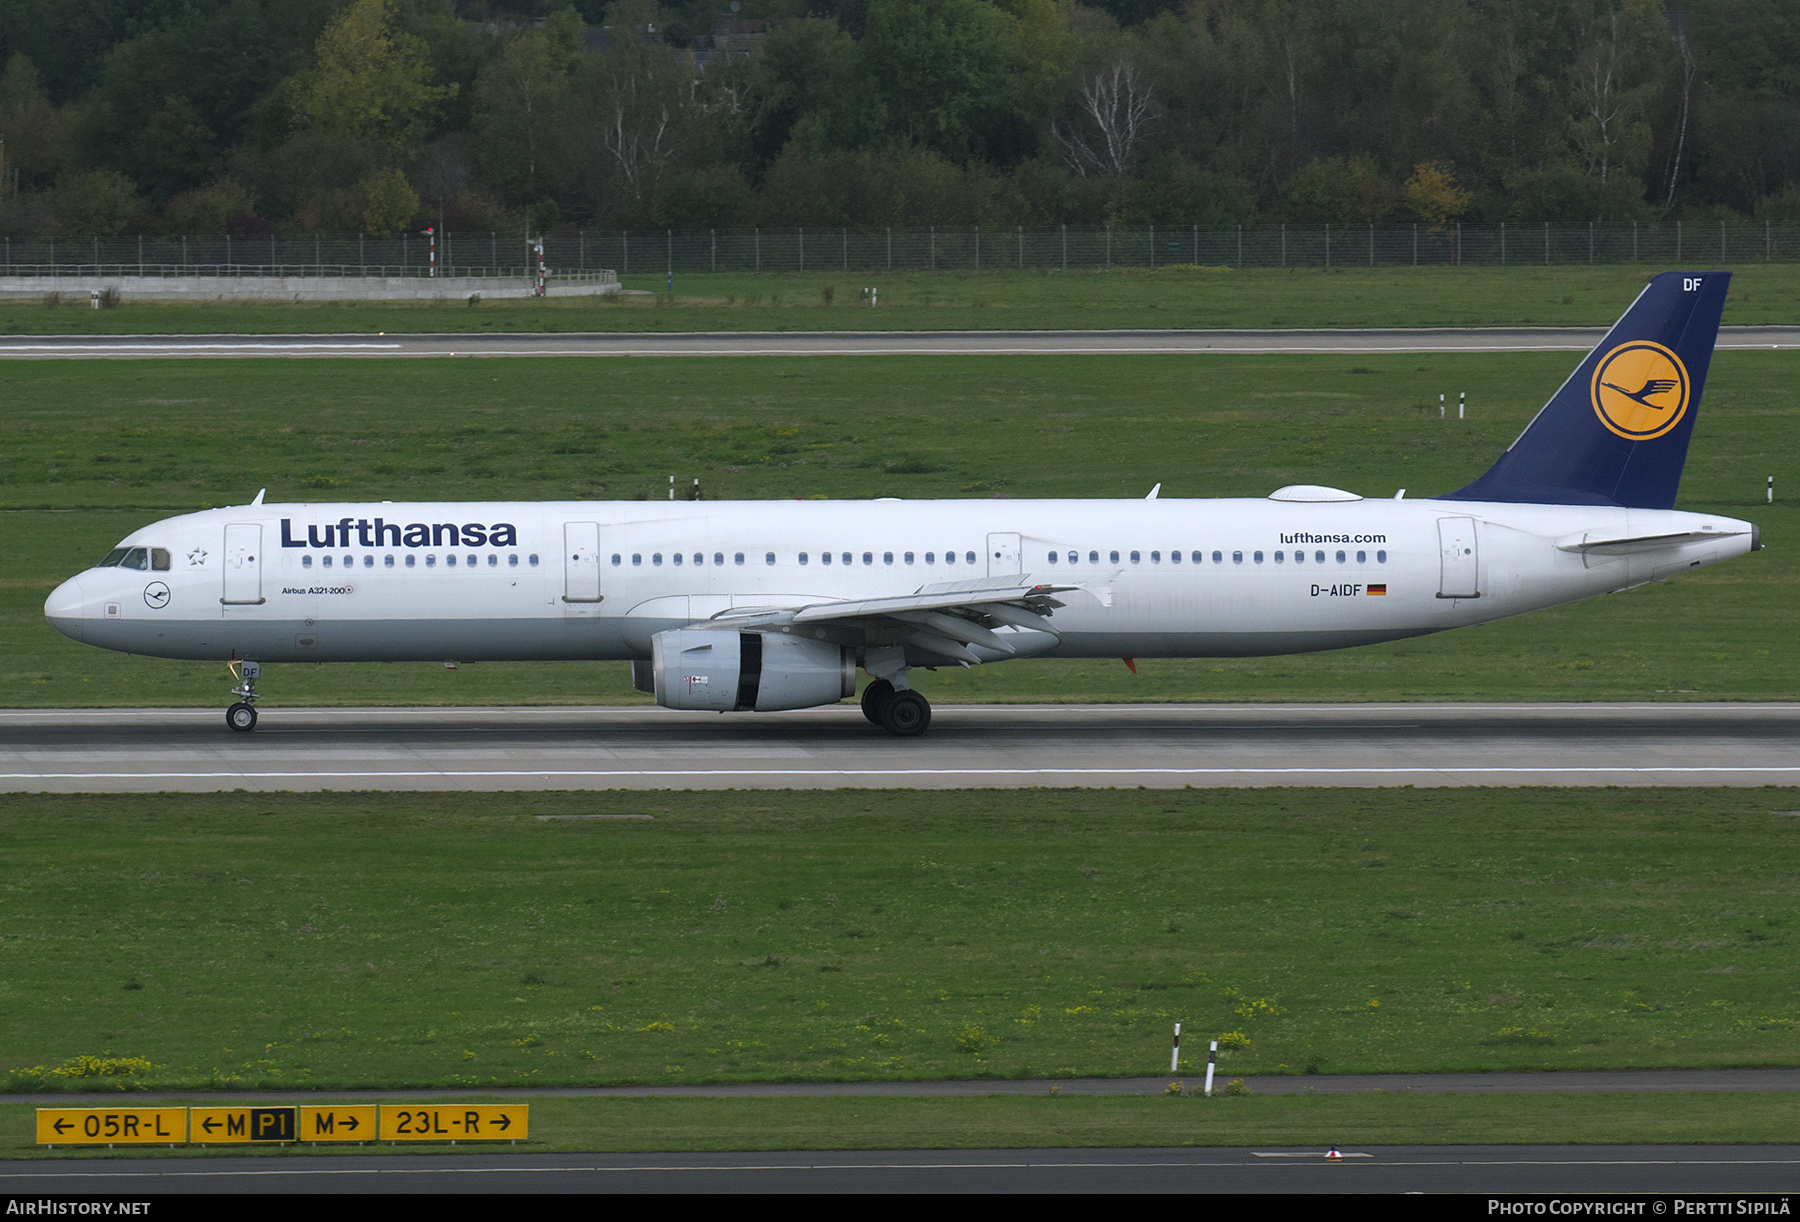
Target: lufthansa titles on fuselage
{"points": [[361, 532]]}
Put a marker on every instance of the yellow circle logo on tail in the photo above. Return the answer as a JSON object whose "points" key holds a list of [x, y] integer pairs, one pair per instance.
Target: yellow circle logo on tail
{"points": [[1640, 390]]}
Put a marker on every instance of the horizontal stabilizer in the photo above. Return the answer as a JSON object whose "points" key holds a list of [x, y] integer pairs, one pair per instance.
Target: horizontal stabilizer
{"points": [[1620, 545]]}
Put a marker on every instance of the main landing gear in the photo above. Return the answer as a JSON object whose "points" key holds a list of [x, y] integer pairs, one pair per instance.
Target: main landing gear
{"points": [[242, 715], [902, 713]]}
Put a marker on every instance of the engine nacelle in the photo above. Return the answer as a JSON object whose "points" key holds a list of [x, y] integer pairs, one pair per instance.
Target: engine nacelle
{"points": [[722, 671]]}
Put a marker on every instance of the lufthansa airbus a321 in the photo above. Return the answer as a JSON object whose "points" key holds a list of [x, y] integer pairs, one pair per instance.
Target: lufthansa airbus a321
{"points": [[765, 605]]}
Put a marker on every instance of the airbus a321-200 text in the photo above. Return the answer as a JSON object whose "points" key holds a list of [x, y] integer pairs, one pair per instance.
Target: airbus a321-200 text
{"points": [[766, 605]]}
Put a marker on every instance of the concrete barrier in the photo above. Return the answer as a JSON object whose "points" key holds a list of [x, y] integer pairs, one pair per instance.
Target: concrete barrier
{"points": [[78, 289]]}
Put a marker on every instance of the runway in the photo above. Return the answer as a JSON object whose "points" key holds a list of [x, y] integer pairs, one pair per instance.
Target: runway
{"points": [[1565, 1170], [858, 343], [1577, 1082], [1001, 746]]}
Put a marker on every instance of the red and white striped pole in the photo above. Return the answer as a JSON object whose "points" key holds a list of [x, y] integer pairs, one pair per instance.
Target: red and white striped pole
{"points": [[1211, 1058], [432, 234]]}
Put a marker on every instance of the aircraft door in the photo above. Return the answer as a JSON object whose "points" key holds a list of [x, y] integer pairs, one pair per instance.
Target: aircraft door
{"points": [[1460, 552], [1003, 555], [581, 562], [243, 564]]}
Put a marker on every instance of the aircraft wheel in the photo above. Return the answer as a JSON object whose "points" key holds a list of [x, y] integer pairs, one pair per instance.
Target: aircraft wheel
{"points": [[241, 716], [906, 715], [874, 696]]}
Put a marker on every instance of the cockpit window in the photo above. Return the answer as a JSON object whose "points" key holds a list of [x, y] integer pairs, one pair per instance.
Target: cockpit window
{"points": [[137, 558], [159, 559], [113, 557]]}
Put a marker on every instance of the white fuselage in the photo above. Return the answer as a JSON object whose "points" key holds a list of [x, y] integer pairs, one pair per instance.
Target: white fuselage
{"points": [[596, 580]]}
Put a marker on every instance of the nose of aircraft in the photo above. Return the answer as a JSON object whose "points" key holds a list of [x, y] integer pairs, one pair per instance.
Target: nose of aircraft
{"points": [[65, 608]]}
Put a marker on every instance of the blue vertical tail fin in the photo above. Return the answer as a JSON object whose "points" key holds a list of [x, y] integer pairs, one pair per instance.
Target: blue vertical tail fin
{"points": [[1616, 433]]}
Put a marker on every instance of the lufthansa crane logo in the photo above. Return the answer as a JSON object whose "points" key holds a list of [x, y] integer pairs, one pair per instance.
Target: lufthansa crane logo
{"points": [[1640, 390]]}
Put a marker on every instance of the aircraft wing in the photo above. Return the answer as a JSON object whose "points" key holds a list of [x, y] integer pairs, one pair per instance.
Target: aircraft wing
{"points": [[946, 619]]}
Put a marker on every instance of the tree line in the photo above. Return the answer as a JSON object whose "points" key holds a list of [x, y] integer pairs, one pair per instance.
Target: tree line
{"points": [[377, 116]]}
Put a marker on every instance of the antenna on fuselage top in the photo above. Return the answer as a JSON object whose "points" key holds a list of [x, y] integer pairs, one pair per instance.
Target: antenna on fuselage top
{"points": [[1153, 493], [259, 497]]}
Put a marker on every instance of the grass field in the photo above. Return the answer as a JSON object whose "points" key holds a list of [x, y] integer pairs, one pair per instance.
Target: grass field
{"points": [[1120, 298], [331, 941], [91, 450], [1355, 1122]]}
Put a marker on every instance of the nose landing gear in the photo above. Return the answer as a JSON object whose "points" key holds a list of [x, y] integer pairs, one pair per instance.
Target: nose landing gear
{"points": [[242, 715]]}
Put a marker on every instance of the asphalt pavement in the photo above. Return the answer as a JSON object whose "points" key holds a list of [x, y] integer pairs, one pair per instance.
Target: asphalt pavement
{"points": [[858, 343], [1091, 745]]}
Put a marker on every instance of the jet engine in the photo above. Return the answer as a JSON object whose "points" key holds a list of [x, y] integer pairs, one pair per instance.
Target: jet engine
{"points": [[721, 671]]}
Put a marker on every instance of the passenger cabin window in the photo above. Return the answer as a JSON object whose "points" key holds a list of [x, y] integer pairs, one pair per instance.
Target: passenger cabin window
{"points": [[411, 560], [1115, 557], [969, 557], [802, 557], [1256, 556], [824, 557], [719, 558], [387, 562], [430, 561], [449, 560], [738, 558], [617, 559], [306, 561], [1362, 557], [1135, 558], [769, 558], [533, 561], [909, 557], [1380, 557]]}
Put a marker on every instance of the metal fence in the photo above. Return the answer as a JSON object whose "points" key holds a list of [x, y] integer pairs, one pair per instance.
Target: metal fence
{"points": [[802, 249]]}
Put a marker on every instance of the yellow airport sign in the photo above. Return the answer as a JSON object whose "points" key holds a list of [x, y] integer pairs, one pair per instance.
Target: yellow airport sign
{"points": [[236, 1125], [108, 1126], [455, 1122], [338, 1122]]}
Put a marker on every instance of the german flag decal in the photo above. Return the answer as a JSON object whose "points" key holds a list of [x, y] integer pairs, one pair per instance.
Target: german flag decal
{"points": [[1378, 589]]}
